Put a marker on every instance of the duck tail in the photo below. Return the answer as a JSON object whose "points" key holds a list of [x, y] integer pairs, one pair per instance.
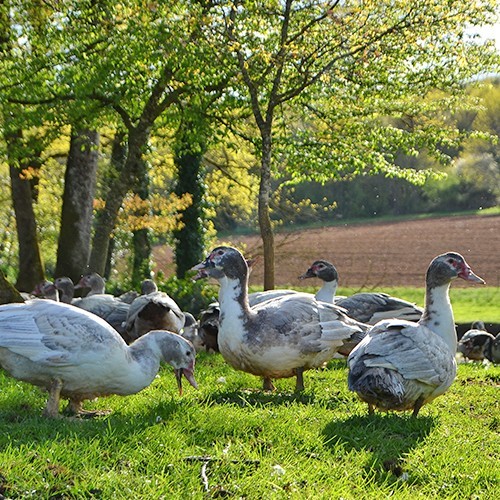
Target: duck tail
{"points": [[379, 386]]}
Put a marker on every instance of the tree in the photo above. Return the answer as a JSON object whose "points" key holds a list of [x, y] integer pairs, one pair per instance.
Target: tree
{"points": [[349, 65], [23, 155], [73, 249], [8, 293], [189, 239], [30, 261]]}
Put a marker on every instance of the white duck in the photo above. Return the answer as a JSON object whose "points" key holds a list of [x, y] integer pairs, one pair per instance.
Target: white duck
{"points": [[402, 365], [153, 311], [76, 355], [366, 307], [278, 338]]}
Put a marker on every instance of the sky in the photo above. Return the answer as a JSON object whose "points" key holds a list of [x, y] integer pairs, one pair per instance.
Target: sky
{"points": [[492, 32]]}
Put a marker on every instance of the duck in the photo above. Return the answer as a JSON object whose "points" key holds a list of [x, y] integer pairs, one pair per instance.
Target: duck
{"points": [[208, 327], [46, 289], [152, 311], [367, 307], [477, 343], [493, 353], [278, 338], [94, 281], [402, 365], [66, 289], [76, 355], [190, 331]]}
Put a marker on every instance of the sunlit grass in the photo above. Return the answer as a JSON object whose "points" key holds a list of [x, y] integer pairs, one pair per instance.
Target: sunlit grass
{"points": [[231, 439], [469, 303]]}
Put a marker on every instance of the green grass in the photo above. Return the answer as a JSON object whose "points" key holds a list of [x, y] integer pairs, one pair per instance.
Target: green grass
{"points": [[231, 439], [469, 303]]}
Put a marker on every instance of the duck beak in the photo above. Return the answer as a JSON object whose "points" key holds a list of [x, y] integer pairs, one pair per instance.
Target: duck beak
{"points": [[188, 373], [202, 270], [308, 274], [201, 274], [468, 275]]}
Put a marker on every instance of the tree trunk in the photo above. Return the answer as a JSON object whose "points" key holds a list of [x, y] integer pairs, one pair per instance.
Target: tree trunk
{"points": [[266, 230], [76, 218], [190, 240], [141, 264], [105, 221], [8, 293], [30, 262]]}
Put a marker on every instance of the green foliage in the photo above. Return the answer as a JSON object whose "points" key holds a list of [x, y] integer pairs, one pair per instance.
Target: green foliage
{"points": [[191, 296]]}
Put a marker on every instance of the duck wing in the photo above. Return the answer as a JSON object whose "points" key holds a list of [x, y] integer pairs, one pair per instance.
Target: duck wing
{"points": [[374, 307], [156, 310], [410, 349], [310, 325], [52, 333], [107, 307]]}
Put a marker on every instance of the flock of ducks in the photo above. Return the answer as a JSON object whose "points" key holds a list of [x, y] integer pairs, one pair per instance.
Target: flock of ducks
{"points": [[399, 356]]}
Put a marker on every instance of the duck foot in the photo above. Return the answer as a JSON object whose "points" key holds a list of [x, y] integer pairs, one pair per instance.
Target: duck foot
{"points": [[51, 409], [268, 384], [93, 414], [75, 409], [299, 384]]}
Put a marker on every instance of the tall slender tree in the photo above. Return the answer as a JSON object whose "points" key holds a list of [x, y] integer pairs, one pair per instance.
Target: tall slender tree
{"points": [[349, 65], [189, 150]]}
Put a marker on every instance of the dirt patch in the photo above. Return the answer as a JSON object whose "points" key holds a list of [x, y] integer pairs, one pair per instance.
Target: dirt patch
{"points": [[382, 254]]}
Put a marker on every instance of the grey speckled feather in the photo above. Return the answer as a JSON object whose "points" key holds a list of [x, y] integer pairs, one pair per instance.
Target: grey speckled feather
{"points": [[277, 338], [401, 365]]}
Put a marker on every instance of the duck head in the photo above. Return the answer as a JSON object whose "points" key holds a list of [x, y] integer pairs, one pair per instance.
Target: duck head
{"points": [[179, 353], [448, 266], [222, 262], [321, 269]]}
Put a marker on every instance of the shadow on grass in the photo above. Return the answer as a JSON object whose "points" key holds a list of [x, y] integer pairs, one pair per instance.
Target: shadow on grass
{"points": [[256, 398], [23, 424], [386, 438]]}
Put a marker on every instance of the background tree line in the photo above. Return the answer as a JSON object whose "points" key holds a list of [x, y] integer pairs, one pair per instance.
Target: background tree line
{"points": [[125, 123]]}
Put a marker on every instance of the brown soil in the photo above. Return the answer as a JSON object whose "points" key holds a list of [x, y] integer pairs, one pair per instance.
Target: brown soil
{"points": [[381, 254]]}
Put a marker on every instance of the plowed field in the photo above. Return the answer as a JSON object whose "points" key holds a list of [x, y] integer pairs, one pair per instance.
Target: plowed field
{"points": [[382, 254]]}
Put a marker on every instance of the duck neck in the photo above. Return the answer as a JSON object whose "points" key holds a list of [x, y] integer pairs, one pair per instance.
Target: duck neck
{"points": [[438, 314], [327, 292], [233, 296], [66, 294], [146, 353]]}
